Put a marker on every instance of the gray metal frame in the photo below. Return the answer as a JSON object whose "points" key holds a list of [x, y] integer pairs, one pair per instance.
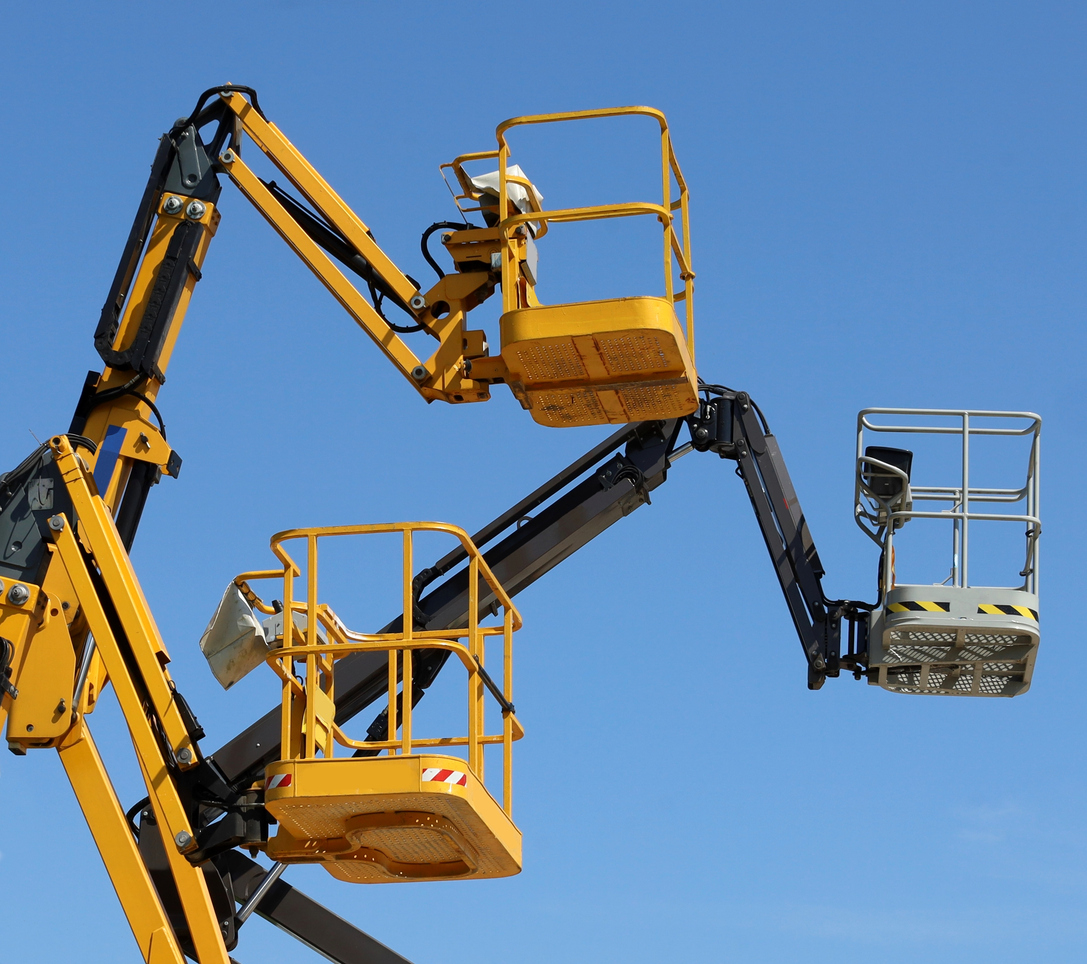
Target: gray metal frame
{"points": [[880, 518], [952, 638]]}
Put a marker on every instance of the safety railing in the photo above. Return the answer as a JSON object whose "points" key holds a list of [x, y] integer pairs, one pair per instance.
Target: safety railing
{"points": [[315, 636], [879, 517], [676, 242]]}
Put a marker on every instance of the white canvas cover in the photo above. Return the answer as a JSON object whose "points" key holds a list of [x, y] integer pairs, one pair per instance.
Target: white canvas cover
{"points": [[518, 193], [233, 643]]}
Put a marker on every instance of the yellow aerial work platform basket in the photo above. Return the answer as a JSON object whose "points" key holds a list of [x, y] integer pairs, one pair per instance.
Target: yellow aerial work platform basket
{"points": [[418, 812], [592, 362]]}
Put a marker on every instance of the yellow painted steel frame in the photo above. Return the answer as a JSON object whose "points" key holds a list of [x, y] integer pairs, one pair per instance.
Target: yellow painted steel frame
{"points": [[677, 244], [441, 311], [91, 571], [308, 721]]}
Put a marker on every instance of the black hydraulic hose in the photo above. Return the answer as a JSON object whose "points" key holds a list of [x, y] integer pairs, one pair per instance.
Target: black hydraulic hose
{"points": [[7, 653], [343, 251], [87, 443], [113, 393], [130, 816], [211, 92], [154, 410], [128, 388], [437, 226]]}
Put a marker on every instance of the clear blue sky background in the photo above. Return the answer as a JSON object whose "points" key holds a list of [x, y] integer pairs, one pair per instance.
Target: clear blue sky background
{"points": [[888, 208]]}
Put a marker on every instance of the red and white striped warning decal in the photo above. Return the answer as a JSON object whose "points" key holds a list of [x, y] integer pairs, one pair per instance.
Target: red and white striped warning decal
{"points": [[435, 775], [278, 781]]}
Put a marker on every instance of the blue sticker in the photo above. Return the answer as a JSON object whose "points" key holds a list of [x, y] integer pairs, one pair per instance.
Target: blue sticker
{"points": [[108, 453]]}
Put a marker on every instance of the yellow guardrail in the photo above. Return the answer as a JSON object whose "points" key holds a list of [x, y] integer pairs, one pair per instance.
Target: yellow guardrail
{"points": [[676, 240], [677, 243], [309, 727]]}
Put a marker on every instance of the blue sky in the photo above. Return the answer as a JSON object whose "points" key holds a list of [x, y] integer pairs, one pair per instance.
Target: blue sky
{"points": [[887, 209]]}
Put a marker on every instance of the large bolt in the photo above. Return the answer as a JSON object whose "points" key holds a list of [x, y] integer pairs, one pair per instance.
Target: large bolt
{"points": [[18, 594], [418, 302], [184, 755], [56, 523], [196, 210], [171, 205], [183, 840], [227, 157], [419, 373]]}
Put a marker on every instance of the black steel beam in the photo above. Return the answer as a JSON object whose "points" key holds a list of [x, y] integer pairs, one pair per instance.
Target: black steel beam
{"points": [[302, 917]]}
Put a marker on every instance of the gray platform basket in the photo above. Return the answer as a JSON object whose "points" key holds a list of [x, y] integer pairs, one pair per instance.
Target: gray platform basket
{"points": [[950, 638]]}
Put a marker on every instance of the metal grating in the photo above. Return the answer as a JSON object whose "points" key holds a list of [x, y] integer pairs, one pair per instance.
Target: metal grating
{"points": [[550, 362], [578, 406], [565, 407], [996, 679], [649, 402], [632, 352], [915, 654], [410, 845], [996, 685], [983, 652], [997, 639], [922, 638]]}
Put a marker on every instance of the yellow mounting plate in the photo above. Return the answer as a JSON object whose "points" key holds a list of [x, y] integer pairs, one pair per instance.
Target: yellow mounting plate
{"points": [[599, 362], [386, 819]]}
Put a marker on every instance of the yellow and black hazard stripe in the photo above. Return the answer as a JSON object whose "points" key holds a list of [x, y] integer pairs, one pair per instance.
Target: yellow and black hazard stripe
{"points": [[919, 606], [994, 610]]}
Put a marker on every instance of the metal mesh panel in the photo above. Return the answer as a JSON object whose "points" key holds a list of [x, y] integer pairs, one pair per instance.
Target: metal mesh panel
{"points": [[632, 352], [997, 639], [958, 678], [650, 401], [410, 845], [561, 408], [983, 652], [995, 685], [550, 362], [922, 638], [916, 654]]}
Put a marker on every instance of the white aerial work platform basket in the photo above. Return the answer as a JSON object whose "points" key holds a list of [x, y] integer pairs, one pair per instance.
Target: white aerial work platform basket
{"points": [[954, 637]]}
